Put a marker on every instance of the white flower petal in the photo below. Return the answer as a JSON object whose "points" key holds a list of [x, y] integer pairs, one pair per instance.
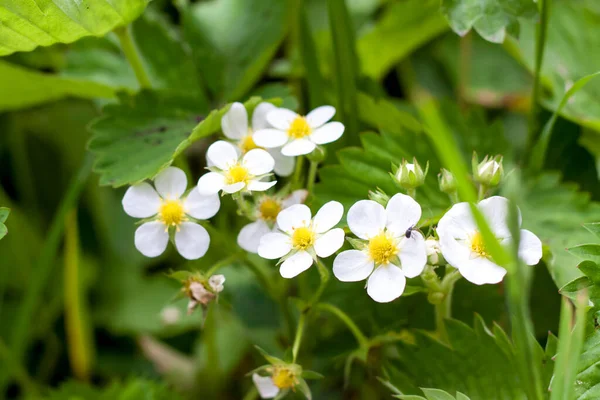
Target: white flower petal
{"points": [[191, 240], [328, 216], [403, 212], [458, 222], [327, 133], [170, 183], [250, 235], [296, 197], [260, 186], [298, 147], [386, 283], [265, 386], [480, 271], [151, 239], [141, 201], [211, 183], [413, 254], [293, 217], [366, 218], [295, 265], [281, 118], [329, 243], [258, 162], [235, 122], [270, 138], [259, 116], [319, 116], [530, 248], [495, 209], [352, 266], [234, 187], [284, 165], [222, 154], [274, 245], [201, 207]]}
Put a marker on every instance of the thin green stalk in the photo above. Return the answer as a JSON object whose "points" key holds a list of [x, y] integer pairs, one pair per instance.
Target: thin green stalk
{"points": [[297, 178], [22, 330], [540, 46], [312, 176], [20, 373], [133, 56], [358, 335], [412, 192], [324, 274], [443, 308], [564, 343], [299, 334], [78, 341], [481, 192], [224, 262]]}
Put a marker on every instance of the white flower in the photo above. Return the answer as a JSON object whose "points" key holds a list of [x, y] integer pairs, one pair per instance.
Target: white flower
{"points": [[303, 239], [232, 174], [265, 386], [297, 134], [168, 209], [392, 250], [462, 243], [268, 207], [235, 127]]}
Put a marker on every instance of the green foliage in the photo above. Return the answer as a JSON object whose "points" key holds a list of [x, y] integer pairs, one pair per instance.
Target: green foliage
{"points": [[28, 24], [587, 386], [131, 389], [138, 137], [434, 394], [490, 18], [3, 216]]}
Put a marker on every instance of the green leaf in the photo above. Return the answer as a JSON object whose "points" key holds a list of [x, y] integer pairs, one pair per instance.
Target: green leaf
{"points": [[403, 27], [135, 139], [3, 216], [587, 386], [588, 251], [572, 288], [271, 359], [306, 374], [385, 115], [28, 24], [28, 87], [591, 270], [437, 394], [490, 18], [593, 227], [232, 41], [131, 389], [478, 362]]}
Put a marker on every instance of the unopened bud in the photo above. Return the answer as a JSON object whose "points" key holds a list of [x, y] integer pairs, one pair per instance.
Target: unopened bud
{"points": [[318, 155], [488, 172], [216, 282], [379, 196], [434, 253], [411, 176], [435, 297], [447, 181]]}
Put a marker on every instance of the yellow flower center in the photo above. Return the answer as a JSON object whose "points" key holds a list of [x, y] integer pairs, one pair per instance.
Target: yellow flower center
{"points": [[299, 128], [284, 378], [269, 209], [477, 245], [171, 213], [382, 248], [303, 238], [247, 144], [236, 174]]}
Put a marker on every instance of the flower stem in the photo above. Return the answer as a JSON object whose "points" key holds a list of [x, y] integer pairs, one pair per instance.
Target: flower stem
{"points": [[223, 263], [443, 305], [324, 273], [481, 192], [358, 335], [243, 206], [296, 179], [412, 192], [312, 176], [133, 56], [298, 339]]}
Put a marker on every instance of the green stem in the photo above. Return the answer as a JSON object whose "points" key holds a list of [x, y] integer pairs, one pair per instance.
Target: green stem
{"points": [[412, 192], [540, 46], [324, 274], [454, 198], [312, 176], [360, 337], [223, 263], [21, 330], [296, 179], [298, 339], [21, 375], [443, 306], [243, 206], [133, 56], [481, 192]]}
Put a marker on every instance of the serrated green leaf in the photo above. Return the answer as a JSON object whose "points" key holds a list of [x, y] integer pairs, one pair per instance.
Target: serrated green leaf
{"points": [[135, 139], [131, 389], [591, 270], [436, 394], [593, 227], [385, 115], [587, 385], [460, 396], [403, 27], [218, 32], [589, 251], [572, 288], [28, 24], [29, 87], [490, 18]]}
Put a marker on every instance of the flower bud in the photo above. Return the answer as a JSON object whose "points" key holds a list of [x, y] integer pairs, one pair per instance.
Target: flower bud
{"points": [[488, 172], [318, 155], [447, 182], [202, 291], [434, 253], [411, 176], [379, 196], [435, 297], [216, 283]]}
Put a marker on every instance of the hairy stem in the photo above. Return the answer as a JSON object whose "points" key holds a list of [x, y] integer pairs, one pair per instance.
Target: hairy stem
{"points": [[324, 273], [133, 56], [358, 335]]}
